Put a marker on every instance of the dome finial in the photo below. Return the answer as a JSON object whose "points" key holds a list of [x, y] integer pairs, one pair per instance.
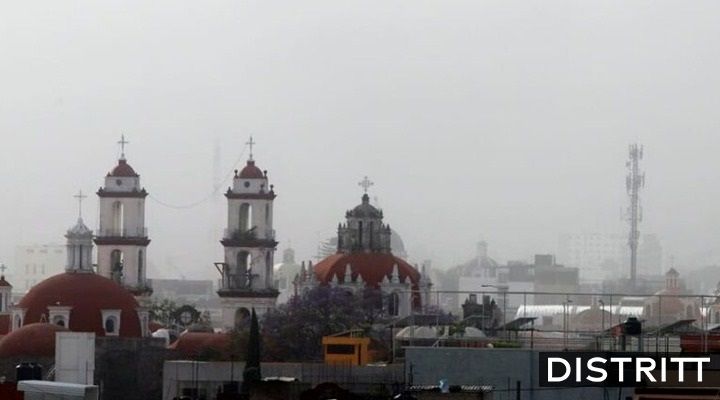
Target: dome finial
{"points": [[250, 144], [80, 197], [122, 144], [365, 183]]}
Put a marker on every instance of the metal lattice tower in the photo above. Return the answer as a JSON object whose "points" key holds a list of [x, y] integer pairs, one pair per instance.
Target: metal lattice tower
{"points": [[634, 182]]}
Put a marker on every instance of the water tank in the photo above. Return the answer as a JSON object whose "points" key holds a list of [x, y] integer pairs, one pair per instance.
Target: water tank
{"points": [[632, 326]]}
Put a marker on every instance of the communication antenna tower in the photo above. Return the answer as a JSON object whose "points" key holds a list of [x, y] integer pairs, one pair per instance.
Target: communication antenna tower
{"points": [[634, 181]]}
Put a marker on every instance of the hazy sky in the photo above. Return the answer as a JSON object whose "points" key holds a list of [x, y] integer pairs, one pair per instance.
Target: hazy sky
{"points": [[501, 120]]}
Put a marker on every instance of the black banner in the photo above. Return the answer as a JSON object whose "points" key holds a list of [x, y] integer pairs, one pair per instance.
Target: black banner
{"points": [[628, 369]]}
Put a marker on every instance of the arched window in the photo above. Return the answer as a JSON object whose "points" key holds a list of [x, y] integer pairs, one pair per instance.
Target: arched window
{"points": [[267, 214], [370, 235], [59, 320], [118, 219], [360, 234], [140, 264], [117, 262], [242, 317], [393, 304], [717, 317], [18, 321], [268, 269], [245, 221], [243, 266], [110, 323]]}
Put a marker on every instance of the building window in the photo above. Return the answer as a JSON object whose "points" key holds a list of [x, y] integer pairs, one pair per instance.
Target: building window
{"points": [[110, 325], [111, 322], [59, 321]]}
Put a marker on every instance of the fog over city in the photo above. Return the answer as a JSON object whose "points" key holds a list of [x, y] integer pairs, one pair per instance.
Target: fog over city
{"points": [[494, 120]]}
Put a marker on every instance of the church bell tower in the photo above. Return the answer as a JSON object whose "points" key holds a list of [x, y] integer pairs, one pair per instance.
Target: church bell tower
{"points": [[249, 243], [122, 238]]}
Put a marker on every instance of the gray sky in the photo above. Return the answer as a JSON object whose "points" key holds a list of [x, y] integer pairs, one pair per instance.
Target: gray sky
{"points": [[501, 120]]}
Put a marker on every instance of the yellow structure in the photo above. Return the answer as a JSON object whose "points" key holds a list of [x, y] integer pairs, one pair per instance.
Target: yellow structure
{"points": [[346, 349]]}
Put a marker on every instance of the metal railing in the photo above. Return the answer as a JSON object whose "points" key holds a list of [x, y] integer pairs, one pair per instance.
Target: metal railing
{"points": [[130, 233], [249, 234]]}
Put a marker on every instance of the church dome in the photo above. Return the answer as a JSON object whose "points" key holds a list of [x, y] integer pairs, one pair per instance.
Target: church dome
{"points": [[373, 268], [87, 295], [123, 169], [365, 209], [79, 230], [250, 171], [32, 340], [3, 282]]}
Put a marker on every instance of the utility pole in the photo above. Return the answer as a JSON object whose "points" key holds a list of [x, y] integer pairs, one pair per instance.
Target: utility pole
{"points": [[634, 181]]}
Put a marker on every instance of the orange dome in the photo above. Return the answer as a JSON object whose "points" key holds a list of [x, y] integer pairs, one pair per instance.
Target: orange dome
{"points": [[123, 169], [88, 294], [34, 340], [251, 171], [373, 267]]}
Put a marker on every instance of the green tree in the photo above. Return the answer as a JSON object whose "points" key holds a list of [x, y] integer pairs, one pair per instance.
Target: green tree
{"points": [[163, 311], [252, 374]]}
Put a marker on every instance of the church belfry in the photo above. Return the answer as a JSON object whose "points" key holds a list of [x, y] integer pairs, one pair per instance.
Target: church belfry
{"points": [[122, 238], [249, 243], [364, 229], [79, 243]]}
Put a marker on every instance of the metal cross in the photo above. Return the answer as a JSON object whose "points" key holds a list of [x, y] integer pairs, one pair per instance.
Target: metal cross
{"points": [[80, 196], [3, 268], [365, 183], [122, 144], [250, 144]]}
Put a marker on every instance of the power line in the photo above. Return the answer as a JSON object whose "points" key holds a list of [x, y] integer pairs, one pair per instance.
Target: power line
{"points": [[216, 188]]}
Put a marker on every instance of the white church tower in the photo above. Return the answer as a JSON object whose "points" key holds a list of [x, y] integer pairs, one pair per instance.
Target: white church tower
{"points": [[249, 242], [122, 238], [79, 244]]}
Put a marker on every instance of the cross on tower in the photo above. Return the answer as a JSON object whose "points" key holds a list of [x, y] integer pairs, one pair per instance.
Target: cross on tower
{"points": [[365, 183], [80, 197], [2, 269], [122, 144], [250, 144]]}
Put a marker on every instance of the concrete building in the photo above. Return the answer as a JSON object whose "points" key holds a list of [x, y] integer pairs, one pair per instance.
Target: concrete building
{"points": [[543, 275], [601, 256], [35, 263]]}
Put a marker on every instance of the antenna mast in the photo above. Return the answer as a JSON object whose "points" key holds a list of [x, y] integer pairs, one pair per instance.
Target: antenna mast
{"points": [[635, 180]]}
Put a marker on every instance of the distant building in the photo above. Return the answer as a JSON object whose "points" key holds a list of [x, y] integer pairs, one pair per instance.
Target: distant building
{"points": [[544, 275], [601, 256], [34, 263], [285, 273], [184, 291]]}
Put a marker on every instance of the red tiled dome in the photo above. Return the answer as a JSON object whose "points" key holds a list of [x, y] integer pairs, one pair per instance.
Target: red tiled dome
{"points": [[4, 324], [88, 294], [33, 340], [251, 171], [192, 344], [373, 267], [123, 169]]}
